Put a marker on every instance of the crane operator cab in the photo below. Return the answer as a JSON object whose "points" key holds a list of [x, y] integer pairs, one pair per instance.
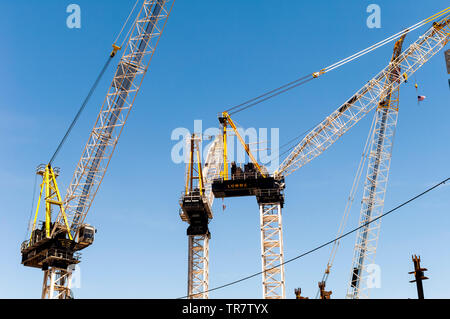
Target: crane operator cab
{"points": [[86, 235]]}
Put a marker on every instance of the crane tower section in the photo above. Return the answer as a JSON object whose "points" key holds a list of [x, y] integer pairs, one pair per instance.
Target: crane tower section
{"points": [[196, 204], [254, 180]]}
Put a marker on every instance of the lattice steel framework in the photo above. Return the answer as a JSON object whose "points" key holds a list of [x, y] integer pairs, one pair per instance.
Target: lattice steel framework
{"points": [[198, 267], [57, 284], [213, 166], [91, 168], [379, 160], [272, 251], [373, 200], [367, 98], [119, 100], [198, 249]]}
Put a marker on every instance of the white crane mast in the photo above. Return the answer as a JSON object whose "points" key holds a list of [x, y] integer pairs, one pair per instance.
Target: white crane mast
{"points": [[273, 281]]}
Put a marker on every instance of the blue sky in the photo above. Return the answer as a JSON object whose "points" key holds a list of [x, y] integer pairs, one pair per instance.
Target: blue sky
{"points": [[214, 54]]}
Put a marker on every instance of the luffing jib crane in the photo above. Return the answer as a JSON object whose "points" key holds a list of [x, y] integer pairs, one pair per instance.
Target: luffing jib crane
{"points": [[55, 246], [196, 203], [268, 189], [379, 159]]}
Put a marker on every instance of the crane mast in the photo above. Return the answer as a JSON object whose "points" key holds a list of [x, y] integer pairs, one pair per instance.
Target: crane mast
{"points": [[366, 99], [254, 180], [196, 204], [55, 253]]}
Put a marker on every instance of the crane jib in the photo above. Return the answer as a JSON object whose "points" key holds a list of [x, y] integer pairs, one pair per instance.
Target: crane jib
{"points": [[128, 73]]}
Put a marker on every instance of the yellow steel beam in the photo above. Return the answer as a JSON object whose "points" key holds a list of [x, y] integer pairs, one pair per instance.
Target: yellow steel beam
{"points": [[247, 149]]}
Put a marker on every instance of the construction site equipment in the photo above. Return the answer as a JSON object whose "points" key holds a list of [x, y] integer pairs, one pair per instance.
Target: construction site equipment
{"points": [[268, 190], [418, 275], [385, 119], [375, 93], [323, 293], [54, 247], [298, 294], [379, 159], [196, 203]]}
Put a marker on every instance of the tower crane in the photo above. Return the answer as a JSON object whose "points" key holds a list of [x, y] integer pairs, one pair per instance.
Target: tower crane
{"points": [[268, 189], [196, 203], [55, 246]]}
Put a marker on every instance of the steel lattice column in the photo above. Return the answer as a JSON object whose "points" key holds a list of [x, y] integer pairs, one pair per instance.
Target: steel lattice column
{"points": [[57, 284], [373, 198], [198, 267], [272, 251]]}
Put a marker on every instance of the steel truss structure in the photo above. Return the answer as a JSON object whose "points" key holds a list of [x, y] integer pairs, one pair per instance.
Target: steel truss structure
{"points": [[379, 160], [92, 166], [373, 200], [198, 243], [119, 100], [57, 283], [273, 281], [198, 266], [366, 99]]}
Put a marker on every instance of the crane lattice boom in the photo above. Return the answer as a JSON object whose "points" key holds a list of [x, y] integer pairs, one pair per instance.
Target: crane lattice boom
{"points": [[367, 98], [125, 85]]}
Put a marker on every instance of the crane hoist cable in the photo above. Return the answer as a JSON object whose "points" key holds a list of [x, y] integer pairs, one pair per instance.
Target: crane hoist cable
{"points": [[100, 75], [83, 105], [306, 78], [350, 200], [125, 24], [330, 241]]}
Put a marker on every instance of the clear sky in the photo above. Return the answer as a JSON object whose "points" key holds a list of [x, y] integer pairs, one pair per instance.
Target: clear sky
{"points": [[214, 54]]}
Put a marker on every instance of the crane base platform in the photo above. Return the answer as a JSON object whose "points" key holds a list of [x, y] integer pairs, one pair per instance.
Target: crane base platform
{"points": [[266, 189], [197, 212], [57, 251]]}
